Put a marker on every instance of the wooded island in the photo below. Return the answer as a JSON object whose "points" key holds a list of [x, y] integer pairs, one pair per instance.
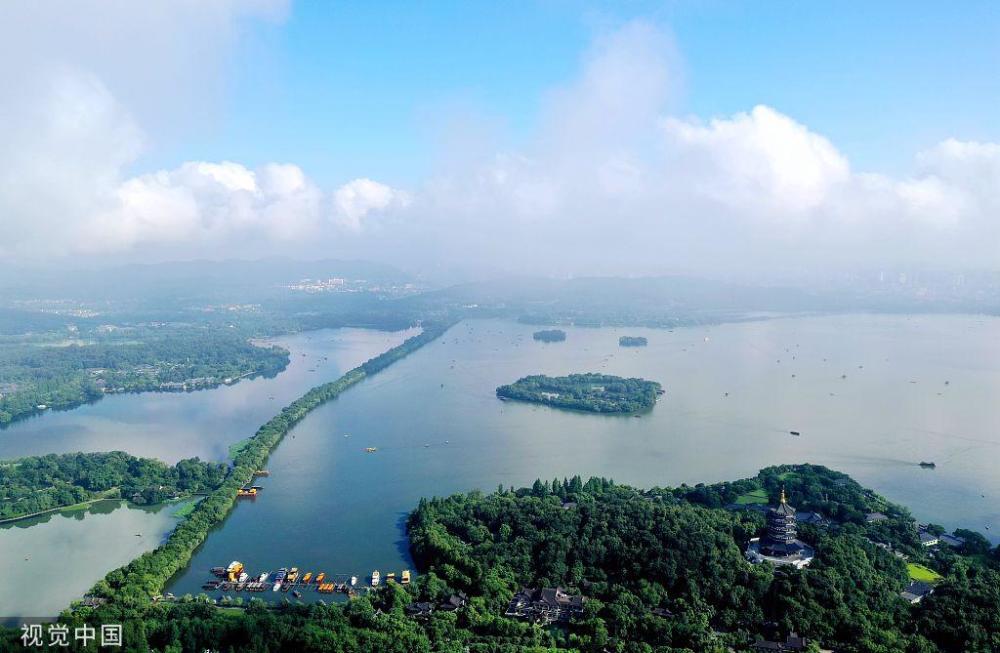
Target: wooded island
{"points": [[595, 393], [549, 335]]}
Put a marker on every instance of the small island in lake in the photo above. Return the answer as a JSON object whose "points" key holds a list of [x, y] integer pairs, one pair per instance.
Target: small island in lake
{"points": [[632, 341], [595, 393], [549, 335]]}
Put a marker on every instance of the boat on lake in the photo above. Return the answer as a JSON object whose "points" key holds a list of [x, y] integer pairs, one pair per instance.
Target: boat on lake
{"points": [[279, 577], [354, 581], [234, 570], [375, 578], [927, 465]]}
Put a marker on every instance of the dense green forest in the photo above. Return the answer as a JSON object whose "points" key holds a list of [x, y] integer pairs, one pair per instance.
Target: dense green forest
{"points": [[595, 393], [662, 572], [632, 341], [60, 371], [39, 483], [633, 552], [549, 335]]}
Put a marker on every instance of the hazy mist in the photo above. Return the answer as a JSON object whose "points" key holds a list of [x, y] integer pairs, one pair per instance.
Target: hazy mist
{"points": [[609, 181]]}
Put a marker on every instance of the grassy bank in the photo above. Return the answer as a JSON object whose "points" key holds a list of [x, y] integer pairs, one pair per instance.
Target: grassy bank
{"points": [[186, 509], [922, 573], [236, 447]]}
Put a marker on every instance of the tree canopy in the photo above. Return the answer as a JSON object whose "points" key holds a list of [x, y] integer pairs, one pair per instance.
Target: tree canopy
{"points": [[594, 393], [40, 483]]}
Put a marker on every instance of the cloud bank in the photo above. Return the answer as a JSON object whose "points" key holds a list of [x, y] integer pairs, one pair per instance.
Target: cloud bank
{"points": [[611, 181]]}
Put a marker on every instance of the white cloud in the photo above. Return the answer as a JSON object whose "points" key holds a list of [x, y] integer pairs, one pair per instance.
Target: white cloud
{"points": [[763, 160], [610, 182], [353, 201], [84, 87], [61, 159], [203, 202]]}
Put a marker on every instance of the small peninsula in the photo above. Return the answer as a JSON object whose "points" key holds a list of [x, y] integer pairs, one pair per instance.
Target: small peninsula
{"points": [[594, 393], [549, 335], [632, 341]]}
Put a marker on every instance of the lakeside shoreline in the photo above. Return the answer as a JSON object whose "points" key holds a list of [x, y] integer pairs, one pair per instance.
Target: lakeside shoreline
{"points": [[148, 575]]}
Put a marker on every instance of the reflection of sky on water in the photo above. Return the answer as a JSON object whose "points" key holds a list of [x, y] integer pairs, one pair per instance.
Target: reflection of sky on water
{"points": [[330, 505], [50, 560], [175, 425]]}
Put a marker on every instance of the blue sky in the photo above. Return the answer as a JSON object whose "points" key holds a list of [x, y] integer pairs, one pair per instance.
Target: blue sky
{"points": [[557, 136], [349, 89]]}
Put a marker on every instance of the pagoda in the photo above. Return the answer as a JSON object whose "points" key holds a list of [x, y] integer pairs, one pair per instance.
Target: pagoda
{"points": [[780, 544]]}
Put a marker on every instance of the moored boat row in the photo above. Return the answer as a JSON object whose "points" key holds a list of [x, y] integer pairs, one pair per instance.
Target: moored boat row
{"points": [[228, 586], [234, 578]]}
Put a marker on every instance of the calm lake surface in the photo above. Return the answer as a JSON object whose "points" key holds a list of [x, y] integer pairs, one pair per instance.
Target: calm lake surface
{"points": [[68, 554], [51, 560], [439, 428], [175, 425]]}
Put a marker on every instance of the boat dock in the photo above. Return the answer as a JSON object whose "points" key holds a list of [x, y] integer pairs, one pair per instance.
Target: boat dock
{"points": [[285, 580]]}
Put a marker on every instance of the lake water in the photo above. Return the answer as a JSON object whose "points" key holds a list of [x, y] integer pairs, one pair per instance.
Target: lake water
{"points": [[50, 560], [868, 394], [66, 555], [175, 425]]}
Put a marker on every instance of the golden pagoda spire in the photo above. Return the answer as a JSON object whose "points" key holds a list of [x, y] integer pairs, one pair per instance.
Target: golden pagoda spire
{"points": [[783, 498]]}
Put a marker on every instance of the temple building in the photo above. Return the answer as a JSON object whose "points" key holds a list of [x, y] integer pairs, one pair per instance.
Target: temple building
{"points": [[779, 544], [545, 606]]}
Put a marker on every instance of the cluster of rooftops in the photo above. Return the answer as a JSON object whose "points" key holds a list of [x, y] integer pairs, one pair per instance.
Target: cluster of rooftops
{"points": [[422, 609], [545, 605]]}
